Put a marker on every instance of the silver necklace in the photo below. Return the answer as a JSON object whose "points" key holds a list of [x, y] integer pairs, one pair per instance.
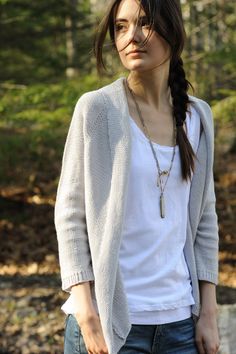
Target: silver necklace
{"points": [[160, 182]]}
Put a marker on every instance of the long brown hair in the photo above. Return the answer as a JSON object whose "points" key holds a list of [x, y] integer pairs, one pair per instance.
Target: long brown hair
{"points": [[165, 18]]}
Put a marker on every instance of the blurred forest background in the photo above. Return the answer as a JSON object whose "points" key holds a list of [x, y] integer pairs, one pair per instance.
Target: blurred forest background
{"points": [[46, 63]]}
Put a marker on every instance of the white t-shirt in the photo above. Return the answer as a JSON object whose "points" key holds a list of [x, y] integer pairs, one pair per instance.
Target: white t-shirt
{"points": [[153, 267]]}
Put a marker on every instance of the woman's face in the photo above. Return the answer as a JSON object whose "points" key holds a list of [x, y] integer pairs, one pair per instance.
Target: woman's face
{"points": [[155, 51]]}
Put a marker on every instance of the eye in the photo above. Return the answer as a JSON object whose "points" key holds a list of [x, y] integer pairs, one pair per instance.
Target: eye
{"points": [[118, 27]]}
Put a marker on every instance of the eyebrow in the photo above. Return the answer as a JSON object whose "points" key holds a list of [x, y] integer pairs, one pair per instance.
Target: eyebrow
{"points": [[125, 20]]}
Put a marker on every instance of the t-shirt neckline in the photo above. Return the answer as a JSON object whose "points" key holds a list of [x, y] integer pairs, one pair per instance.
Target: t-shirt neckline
{"points": [[143, 137]]}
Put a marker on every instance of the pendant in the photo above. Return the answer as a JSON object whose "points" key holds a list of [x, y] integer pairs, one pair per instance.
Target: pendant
{"points": [[162, 205], [164, 173]]}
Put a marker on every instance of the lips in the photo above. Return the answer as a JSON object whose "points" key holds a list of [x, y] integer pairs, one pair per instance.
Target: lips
{"points": [[136, 51]]}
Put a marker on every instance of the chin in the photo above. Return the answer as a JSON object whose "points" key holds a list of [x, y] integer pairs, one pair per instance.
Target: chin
{"points": [[138, 66], [139, 69]]}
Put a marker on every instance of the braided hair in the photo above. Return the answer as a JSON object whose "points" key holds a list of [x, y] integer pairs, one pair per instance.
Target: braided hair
{"points": [[178, 87]]}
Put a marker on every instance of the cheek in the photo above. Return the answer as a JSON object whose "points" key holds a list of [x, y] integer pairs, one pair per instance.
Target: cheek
{"points": [[120, 42], [119, 46], [158, 49], [157, 42]]}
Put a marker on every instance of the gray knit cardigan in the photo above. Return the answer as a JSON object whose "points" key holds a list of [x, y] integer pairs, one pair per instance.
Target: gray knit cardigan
{"points": [[90, 206]]}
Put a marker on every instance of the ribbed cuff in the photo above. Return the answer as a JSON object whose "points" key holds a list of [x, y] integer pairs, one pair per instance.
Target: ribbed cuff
{"points": [[208, 276], [75, 278]]}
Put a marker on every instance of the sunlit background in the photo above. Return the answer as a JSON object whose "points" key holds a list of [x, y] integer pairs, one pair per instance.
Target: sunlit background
{"points": [[46, 63]]}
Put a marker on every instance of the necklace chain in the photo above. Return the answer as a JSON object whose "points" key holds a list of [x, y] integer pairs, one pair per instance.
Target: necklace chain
{"points": [[160, 172]]}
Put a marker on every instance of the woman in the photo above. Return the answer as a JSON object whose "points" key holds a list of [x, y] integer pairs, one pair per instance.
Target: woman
{"points": [[135, 209]]}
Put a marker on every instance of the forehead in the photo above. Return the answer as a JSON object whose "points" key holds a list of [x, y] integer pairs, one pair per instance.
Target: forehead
{"points": [[129, 9]]}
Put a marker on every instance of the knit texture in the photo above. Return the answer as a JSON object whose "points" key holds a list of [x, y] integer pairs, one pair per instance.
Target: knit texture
{"points": [[90, 204]]}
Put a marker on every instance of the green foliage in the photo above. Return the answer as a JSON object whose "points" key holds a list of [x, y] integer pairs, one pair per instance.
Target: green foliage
{"points": [[224, 111], [41, 104], [33, 38], [209, 54], [33, 127]]}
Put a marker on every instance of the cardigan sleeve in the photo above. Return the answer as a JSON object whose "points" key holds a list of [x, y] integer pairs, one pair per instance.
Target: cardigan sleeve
{"points": [[206, 245], [207, 240], [69, 213]]}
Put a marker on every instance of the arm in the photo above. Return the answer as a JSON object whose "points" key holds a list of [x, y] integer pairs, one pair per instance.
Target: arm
{"points": [[206, 252], [83, 301], [208, 298], [70, 219], [88, 319], [207, 337], [206, 245], [207, 238]]}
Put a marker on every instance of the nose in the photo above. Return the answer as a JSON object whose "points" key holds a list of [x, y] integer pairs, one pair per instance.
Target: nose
{"points": [[135, 34]]}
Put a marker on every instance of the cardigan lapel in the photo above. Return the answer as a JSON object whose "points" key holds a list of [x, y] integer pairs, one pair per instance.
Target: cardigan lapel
{"points": [[120, 141], [120, 148]]}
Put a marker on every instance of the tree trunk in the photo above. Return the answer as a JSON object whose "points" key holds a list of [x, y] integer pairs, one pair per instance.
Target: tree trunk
{"points": [[72, 39]]}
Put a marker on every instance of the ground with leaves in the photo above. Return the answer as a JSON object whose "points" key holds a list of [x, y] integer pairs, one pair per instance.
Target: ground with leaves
{"points": [[30, 294]]}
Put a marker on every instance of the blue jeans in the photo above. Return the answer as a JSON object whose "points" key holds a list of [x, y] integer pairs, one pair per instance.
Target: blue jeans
{"points": [[171, 338]]}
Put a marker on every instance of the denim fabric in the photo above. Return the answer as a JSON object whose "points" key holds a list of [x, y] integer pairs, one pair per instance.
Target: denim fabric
{"points": [[176, 337], [172, 338], [73, 340]]}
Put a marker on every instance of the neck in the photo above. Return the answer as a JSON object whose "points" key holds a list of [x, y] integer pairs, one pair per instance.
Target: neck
{"points": [[151, 88]]}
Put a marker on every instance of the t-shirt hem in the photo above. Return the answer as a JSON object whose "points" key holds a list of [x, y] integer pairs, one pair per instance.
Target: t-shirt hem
{"points": [[161, 317]]}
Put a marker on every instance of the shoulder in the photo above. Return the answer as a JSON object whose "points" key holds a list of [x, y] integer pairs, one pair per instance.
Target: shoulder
{"points": [[90, 102], [98, 99], [90, 109], [200, 104], [205, 113], [92, 106]]}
